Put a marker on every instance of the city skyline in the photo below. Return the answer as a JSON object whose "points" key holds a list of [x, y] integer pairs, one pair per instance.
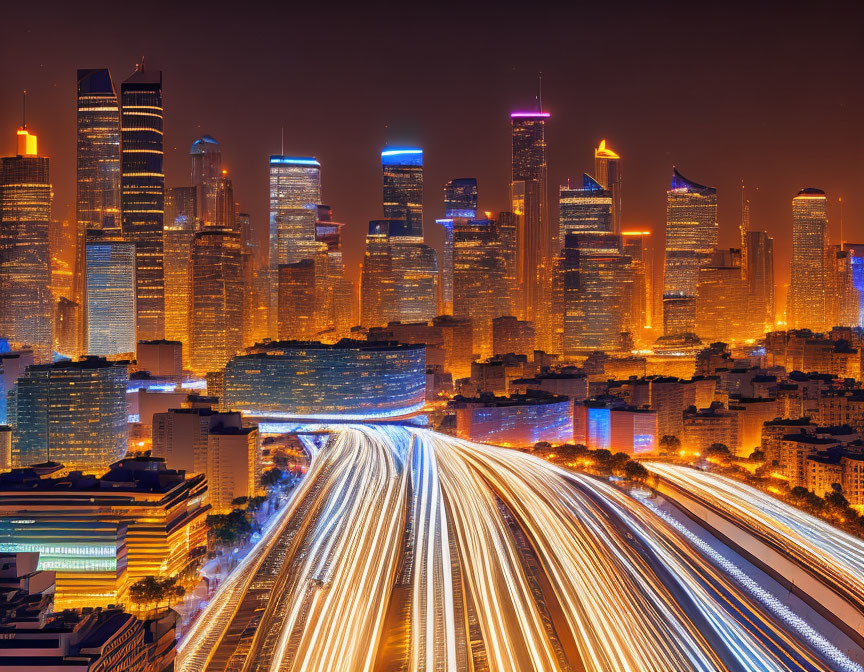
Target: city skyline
{"points": [[743, 122]]}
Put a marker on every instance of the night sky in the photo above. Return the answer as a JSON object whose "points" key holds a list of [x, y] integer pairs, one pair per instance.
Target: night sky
{"points": [[769, 94]]}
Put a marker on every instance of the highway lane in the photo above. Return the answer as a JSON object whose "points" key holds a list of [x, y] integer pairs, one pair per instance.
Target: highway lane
{"points": [[421, 552], [832, 553]]}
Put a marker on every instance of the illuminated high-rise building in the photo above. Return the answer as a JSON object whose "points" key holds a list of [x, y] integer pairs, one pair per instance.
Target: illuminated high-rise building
{"points": [[597, 291], [70, 412], [607, 171], [507, 224], [226, 208], [98, 177], [479, 289], [856, 266], [807, 297], [298, 308], [460, 198], [585, 208], [760, 278], [536, 245], [721, 299], [841, 297], [110, 310], [446, 307], [142, 193], [403, 187], [400, 276], [691, 237], [206, 173], [181, 222], [26, 304], [333, 290], [295, 191], [216, 328], [637, 246]]}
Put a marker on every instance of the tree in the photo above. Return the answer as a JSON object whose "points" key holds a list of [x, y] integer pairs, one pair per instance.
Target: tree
{"points": [[836, 502], [636, 471], [152, 590], [670, 444], [271, 477], [719, 452], [757, 455]]}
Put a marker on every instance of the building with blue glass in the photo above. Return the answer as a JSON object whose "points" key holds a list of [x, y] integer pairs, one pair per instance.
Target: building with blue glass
{"points": [[518, 420], [310, 380], [111, 299], [403, 187]]}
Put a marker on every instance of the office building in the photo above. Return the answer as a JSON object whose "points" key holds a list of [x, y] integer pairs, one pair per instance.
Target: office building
{"points": [[607, 172], [98, 178], [402, 170], [512, 335], [70, 412], [216, 328], [142, 193], [206, 157], [101, 534], [585, 208], [479, 289], [110, 315], [233, 465], [313, 379], [299, 310], [597, 290], [528, 197], [26, 304], [721, 301], [807, 292], [460, 198], [517, 420], [636, 245], [610, 424], [13, 363], [161, 359], [691, 237], [181, 223], [760, 279]]}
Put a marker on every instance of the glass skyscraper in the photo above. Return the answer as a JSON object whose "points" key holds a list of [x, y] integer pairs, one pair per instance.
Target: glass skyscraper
{"points": [[181, 220], [607, 171], [216, 321], [403, 187], [206, 173], [70, 412], [585, 208], [26, 303], [537, 245], [110, 314], [98, 177], [142, 187], [691, 238], [460, 198], [295, 192], [807, 296]]}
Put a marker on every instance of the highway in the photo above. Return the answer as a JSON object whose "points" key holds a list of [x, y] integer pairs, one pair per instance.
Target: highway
{"points": [[405, 549]]}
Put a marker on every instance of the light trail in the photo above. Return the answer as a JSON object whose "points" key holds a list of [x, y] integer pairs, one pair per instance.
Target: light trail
{"points": [[818, 546], [408, 550]]}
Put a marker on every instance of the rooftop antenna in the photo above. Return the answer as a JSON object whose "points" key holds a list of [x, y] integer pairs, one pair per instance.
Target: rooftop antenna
{"points": [[540, 91], [282, 147], [24, 110]]}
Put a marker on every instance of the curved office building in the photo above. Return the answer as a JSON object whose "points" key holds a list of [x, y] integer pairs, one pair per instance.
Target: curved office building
{"points": [[349, 379]]}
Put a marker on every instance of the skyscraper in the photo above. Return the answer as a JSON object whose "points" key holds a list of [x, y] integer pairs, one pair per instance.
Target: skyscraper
{"points": [[98, 177], [585, 208], [206, 173], [528, 196], [26, 305], [460, 197], [216, 328], [760, 278], [298, 309], [637, 247], [181, 217], [377, 283], [597, 292], [691, 237], [70, 412], [110, 313], [403, 187], [295, 191], [142, 185], [479, 287], [807, 300], [607, 171]]}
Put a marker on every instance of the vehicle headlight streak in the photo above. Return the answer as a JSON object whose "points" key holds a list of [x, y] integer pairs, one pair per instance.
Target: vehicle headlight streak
{"points": [[558, 570]]}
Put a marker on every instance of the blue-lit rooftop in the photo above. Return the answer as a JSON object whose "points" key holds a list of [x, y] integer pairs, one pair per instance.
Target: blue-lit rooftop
{"points": [[402, 156], [279, 160]]}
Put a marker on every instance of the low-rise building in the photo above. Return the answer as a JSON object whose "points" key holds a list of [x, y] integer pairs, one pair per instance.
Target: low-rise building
{"points": [[518, 420]]}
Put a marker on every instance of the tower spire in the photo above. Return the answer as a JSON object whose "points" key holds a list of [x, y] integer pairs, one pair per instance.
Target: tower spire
{"points": [[540, 91], [24, 110]]}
